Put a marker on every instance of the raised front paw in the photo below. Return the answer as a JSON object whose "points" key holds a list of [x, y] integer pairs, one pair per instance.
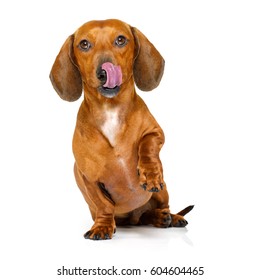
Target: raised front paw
{"points": [[100, 233], [151, 178]]}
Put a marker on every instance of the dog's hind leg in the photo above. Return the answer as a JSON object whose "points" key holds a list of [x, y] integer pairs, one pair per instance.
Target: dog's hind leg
{"points": [[178, 219], [159, 213]]}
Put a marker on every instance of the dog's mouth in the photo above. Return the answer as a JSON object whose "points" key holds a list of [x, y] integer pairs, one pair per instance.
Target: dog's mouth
{"points": [[109, 92], [110, 76]]}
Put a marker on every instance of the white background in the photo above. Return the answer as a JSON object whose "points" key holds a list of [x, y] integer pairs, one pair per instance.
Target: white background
{"points": [[208, 104]]}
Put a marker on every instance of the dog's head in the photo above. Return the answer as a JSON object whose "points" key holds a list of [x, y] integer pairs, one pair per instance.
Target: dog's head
{"points": [[104, 56]]}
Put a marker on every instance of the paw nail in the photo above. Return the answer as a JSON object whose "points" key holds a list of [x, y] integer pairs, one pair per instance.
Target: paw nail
{"points": [[154, 189], [107, 236], [87, 234], [161, 185], [97, 237], [144, 186]]}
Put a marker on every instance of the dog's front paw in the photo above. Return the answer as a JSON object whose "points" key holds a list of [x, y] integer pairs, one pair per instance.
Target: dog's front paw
{"points": [[151, 178], [100, 233]]}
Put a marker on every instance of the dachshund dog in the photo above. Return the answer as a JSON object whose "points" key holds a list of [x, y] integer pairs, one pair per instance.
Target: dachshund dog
{"points": [[117, 141]]}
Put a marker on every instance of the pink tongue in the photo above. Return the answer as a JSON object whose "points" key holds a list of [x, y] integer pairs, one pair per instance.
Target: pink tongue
{"points": [[114, 75]]}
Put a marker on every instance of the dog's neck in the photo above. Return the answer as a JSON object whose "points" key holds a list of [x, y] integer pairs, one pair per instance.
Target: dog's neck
{"points": [[111, 124], [110, 114]]}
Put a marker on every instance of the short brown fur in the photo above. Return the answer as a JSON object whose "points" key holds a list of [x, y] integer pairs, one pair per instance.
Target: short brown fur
{"points": [[117, 141]]}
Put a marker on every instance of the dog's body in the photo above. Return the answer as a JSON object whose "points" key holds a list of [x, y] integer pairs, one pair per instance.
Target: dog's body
{"points": [[117, 141]]}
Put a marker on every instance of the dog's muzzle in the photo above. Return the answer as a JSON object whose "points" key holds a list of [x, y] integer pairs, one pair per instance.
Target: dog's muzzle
{"points": [[110, 76]]}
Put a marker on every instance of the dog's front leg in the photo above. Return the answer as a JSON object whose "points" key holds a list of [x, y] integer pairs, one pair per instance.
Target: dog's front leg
{"points": [[101, 207], [102, 211], [149, 164], [104, 226]]}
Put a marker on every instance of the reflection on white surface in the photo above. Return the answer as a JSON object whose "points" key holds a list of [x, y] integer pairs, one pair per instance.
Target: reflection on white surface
{"points": [[152, 233]]}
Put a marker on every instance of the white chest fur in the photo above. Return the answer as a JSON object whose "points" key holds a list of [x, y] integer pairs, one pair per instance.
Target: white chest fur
{"points": [[111, 125]]}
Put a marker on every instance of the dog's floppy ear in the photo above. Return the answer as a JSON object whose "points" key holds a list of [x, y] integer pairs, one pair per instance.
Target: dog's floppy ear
{"points": [[65, 76], [148, 64]]}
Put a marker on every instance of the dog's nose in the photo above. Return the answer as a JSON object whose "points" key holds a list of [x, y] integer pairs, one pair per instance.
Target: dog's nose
{"points": [[102, 75]]}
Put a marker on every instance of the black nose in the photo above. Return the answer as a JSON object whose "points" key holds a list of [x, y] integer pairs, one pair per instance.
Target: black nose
{"points": [[102, 75]]}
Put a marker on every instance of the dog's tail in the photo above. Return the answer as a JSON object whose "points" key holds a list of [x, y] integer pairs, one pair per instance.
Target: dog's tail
{"points": [[186, 210]]}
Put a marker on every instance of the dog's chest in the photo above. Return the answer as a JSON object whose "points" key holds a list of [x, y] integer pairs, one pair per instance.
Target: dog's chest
{"points": [[111, 125]]}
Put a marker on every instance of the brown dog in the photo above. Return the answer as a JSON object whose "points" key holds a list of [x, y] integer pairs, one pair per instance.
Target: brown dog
{"points": [[117, 141]]}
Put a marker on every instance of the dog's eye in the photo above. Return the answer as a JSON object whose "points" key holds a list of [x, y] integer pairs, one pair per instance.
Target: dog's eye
{"points": [[84, 45], [121, 41]]}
